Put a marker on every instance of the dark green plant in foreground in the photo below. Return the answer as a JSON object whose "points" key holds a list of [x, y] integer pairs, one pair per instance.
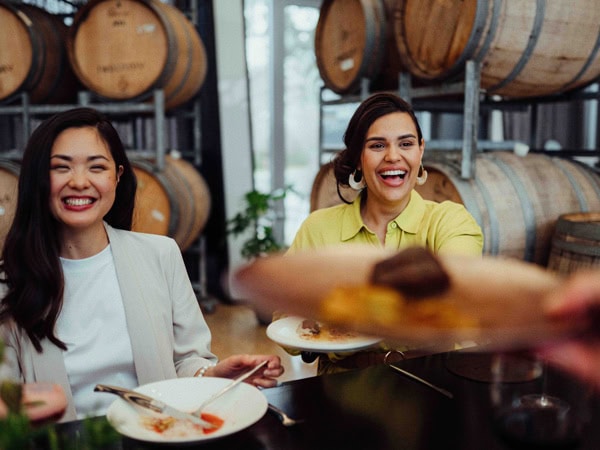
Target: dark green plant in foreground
{"points": [[258, 215], [18, 433]]}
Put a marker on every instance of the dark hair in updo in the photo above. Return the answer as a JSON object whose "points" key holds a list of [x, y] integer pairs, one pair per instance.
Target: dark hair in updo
{"points": [[371, 109]]}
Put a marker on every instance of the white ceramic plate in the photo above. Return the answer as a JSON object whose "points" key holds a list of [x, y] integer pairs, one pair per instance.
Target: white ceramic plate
{"points": [[241, 407], [285, 333]]}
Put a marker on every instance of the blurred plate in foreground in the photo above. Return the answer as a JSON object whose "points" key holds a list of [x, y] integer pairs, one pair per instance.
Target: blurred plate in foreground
{"points": [[494, 302]]}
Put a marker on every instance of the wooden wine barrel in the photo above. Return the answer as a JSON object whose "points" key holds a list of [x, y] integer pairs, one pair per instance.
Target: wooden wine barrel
{"points": [[125, 49], [173, 202], [516, 200], [33, 55], [324, 191], [9, 188], [354, 39], [526, 48], [576, 243]]}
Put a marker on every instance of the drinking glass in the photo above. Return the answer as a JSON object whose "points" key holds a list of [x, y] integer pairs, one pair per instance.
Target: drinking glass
{"points": [[532, 414]]}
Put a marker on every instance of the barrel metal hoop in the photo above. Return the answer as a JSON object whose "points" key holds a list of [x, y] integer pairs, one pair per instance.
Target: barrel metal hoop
{"points": [[166, 184], [493, 217], [177, 177], [160, 10], [375, 43], [585, 67], [188, 68], [491, 31], [588, 174], [577, 248], [526, 207], [38, 57], [467, 196], [578, 230], [481, 14], [538, 22], [583, 204], [463, 187], [62, 57]]}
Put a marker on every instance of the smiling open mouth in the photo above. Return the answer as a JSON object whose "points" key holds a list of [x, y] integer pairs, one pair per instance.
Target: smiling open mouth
{"points": [[393, 173], [78, 201]]}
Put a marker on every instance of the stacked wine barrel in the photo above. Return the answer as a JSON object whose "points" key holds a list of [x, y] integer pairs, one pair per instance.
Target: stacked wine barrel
{"points": [[33, 55], [526, 48], [120, 50], [125, 49]]}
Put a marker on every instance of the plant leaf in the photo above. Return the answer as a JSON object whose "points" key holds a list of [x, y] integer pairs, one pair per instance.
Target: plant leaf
{"points": [[11, 394]]}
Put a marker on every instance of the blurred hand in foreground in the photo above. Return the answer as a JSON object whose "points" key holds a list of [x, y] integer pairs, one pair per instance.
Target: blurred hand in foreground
{"points": [[578, 298]]}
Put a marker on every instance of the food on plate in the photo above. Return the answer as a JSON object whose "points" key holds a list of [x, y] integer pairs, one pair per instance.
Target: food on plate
{"points": [[494, 300], [313, 330], [173, 428], [309, 327], [388, 298], [415, 272], [382, 305]]}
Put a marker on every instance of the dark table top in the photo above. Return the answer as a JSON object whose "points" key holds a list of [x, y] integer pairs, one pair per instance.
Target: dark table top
{"points": [[378, 408]]}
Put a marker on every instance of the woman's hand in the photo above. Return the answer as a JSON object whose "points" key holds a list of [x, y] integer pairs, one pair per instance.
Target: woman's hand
{"points": [[578, 299], [236, 365]]}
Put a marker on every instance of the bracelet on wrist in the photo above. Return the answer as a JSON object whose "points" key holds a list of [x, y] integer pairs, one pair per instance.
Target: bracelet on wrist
{"points": [[203, 370]]}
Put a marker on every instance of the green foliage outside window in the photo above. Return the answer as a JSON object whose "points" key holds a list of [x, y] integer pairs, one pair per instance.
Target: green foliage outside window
{"points": [[258, 216]]}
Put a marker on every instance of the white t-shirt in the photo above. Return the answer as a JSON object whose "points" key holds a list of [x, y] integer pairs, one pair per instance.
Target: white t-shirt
{"points": [[92, 324]]}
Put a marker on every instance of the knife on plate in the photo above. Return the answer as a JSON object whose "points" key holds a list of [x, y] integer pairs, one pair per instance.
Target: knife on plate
{"points": [[144, 401]]}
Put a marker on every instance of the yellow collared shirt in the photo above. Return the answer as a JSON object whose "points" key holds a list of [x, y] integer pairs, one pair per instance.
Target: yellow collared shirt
{"points": [[445, 227]]}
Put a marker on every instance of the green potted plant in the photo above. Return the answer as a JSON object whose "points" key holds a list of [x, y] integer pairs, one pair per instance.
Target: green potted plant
{"points": [[258, 216]]}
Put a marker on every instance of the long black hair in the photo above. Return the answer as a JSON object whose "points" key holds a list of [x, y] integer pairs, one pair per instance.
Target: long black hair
{"points": [[371, 109], [30, 263]]}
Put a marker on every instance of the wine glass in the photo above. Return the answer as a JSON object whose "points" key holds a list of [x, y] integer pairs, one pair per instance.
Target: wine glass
{"points": [[527, 415]]}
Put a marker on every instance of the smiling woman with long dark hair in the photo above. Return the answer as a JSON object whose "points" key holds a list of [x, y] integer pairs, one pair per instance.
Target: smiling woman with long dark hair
{"points": [[85, 300]]}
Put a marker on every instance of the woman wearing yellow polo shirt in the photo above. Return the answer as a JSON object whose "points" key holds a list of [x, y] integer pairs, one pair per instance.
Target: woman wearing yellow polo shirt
{"points": [[382, 160]]}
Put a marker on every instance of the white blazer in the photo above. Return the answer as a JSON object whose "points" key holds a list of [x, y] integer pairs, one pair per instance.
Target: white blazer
{"points": [[169, 336]]}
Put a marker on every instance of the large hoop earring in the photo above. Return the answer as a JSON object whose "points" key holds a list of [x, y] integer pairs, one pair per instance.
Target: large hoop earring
{"points": [[356, 185], [421, 176]]}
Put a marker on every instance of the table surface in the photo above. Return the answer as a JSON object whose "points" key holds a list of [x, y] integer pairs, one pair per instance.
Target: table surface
{"points": [[378, 408]]}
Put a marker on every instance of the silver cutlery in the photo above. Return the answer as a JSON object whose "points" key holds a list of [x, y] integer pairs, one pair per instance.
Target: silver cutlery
{"points": [[283, 417], [422, 381], [234, 383], [144, 401]]}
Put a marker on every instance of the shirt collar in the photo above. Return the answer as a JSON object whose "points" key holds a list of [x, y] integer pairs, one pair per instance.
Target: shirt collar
{"points": [[352, 221], [408, 220], [411, 218]]}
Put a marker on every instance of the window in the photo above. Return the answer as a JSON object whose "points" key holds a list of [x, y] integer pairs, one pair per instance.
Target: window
{"points": [[284, 86]]}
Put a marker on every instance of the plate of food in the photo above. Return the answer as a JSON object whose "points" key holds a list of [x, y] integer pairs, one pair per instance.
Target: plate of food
{"points": [[410, 297], [316, 336], [240, 408]]}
